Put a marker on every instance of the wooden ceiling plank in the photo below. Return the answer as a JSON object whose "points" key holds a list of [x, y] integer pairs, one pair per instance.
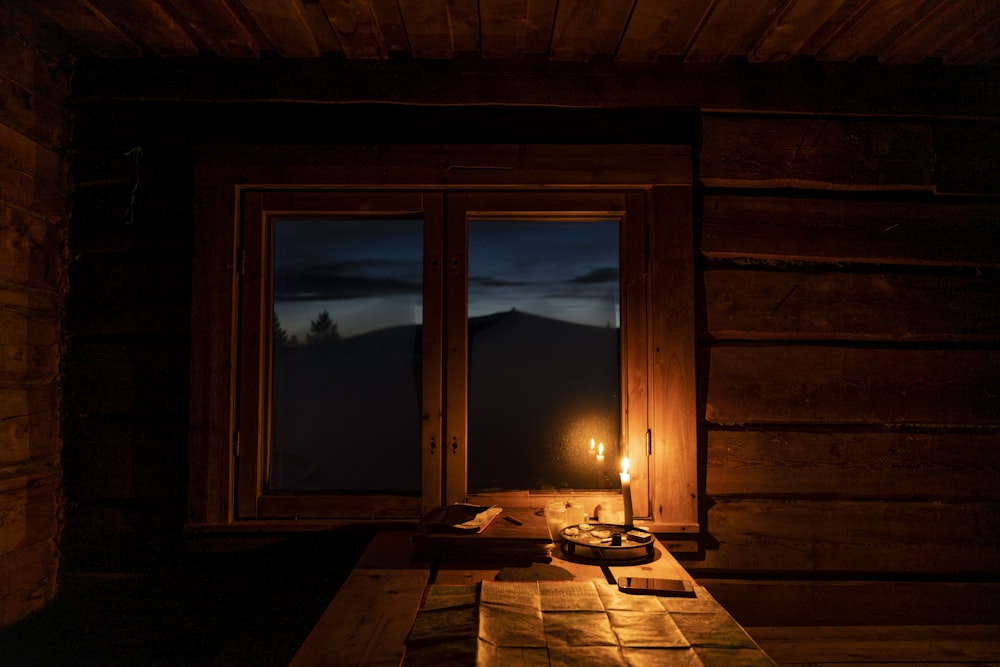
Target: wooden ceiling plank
{"points": [[428, 28], [283, 24], [357, 27], [659, 29], [515, 28], [585, 29], [464, 18], [841, 18], [149, 25], [729, 22], [319, 25], [932, 37], [390, 26], [873, 27], [218, 28], [90, 28], [980, 47], [801, 20]]}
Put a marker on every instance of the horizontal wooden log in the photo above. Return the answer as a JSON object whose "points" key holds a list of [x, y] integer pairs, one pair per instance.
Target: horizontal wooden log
{"points": [[32, 177], [29, 509], [920, 231], [30, 336], [31, 114], [792, 87], [847, 385], [28, 580], [29, 425], [824, 602], [968, 156], [31, 251], [479, 165], [770, 537], [816, 152], [944, 644], [773, 305], [888, 466]]}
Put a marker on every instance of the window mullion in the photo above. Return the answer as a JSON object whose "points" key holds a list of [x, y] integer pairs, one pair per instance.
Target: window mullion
{"points": [[456, 453]]}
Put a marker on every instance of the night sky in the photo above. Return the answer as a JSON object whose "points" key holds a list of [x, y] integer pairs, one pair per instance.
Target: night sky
{"points": [[367, 273]]}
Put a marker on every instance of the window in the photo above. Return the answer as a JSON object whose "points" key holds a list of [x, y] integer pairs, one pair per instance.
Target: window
{"points": [[395, 346]]}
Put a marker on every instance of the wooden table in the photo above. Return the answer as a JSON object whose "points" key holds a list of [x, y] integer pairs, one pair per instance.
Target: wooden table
{"points": [[368, 621]]}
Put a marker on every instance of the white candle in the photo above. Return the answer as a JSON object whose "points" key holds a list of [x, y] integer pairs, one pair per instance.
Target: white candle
{"points": [[600, 452], [591, 446], [627, 491]]}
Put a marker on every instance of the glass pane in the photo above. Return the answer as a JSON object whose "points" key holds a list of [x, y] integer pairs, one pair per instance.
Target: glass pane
{"points": [[544, 369], [345, 388]]}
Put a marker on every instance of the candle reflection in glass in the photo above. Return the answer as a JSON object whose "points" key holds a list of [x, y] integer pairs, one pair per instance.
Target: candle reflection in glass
{"points": [[600, 452]]}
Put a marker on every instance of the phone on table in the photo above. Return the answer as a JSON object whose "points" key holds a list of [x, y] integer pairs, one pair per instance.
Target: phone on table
{"points": [[652, 586]]}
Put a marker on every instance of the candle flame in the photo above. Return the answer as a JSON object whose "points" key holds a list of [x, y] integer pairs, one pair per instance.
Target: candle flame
{"points": [[591, 445], [600, 449], [625, 466]]}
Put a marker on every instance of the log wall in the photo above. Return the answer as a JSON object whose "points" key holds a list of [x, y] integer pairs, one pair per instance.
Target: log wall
{"points": [[34, 197], [850, 369]]}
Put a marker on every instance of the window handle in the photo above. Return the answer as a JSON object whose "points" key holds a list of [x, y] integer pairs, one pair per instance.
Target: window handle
{"points": [[454, 445], [433, 446]]}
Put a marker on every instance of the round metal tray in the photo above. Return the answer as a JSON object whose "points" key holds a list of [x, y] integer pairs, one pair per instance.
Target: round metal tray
{"points": [[611, 543]]}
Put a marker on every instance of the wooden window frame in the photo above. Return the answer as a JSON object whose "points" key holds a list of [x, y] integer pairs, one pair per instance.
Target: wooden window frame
{"points": [[230, 179]]}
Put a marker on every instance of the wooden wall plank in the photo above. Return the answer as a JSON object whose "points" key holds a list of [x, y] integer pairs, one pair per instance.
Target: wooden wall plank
{"points": [[428, 28], [983, 42], [916, 232], [968, 157], [816, 153], [31, 251], [32, 177], [283, 24], [851, 538], [773, 305], [830, 385], [660, 28], [217, 27], [29, 509], [29, 425], [319, 25], [937, 467], [30, 335], [811, 602], [587, 30], [28, 580]]}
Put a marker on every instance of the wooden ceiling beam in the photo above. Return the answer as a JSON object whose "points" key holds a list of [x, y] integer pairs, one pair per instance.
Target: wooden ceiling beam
{"points": [[863, 89]]}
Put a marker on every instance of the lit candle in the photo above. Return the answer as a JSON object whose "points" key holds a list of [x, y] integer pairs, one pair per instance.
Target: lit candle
{"points": [[627, 492], [591, 446], [600, 452]]}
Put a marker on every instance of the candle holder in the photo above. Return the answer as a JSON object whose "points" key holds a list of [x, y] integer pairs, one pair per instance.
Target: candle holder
{"points": [[607, 543]]}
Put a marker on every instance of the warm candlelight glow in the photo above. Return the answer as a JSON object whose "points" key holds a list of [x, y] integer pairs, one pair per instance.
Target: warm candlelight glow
{"points": [[591, 445], [626, 491], [600, 451]]}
